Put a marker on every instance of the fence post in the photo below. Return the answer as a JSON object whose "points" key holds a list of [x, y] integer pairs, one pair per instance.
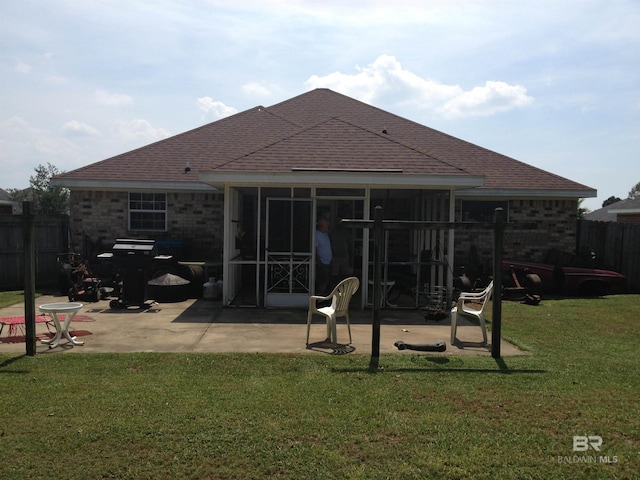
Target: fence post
{"points": [[29, 279], [496, 319], [377, 294]]}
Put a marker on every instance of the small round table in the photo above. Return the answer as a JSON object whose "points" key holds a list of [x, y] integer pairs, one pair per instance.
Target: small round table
{"points": [[69, 310], [385, 287]]}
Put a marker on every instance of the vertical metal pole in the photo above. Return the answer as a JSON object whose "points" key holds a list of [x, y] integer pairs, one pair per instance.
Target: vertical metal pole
{"points": [[377, 263], [29, 278], [452, 244], [496, 330]]}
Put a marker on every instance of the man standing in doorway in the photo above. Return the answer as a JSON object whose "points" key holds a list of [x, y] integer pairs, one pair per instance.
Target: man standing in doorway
{"points": [[323, 256]]}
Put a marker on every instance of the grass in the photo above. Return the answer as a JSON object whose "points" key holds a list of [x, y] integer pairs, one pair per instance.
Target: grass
{"points": [[245, 416], [12, 297]]}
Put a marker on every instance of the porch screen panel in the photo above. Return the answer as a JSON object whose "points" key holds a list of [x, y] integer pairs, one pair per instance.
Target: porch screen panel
{"points": [[280, 226], [301, 232], [289, 251]]}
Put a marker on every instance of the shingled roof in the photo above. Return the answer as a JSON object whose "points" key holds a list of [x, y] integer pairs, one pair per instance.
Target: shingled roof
{"points": [[320, 131], [629, 206]]}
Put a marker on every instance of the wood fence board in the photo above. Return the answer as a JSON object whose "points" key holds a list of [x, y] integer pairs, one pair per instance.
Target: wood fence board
{"points": [[616, 245], [51, 238]]}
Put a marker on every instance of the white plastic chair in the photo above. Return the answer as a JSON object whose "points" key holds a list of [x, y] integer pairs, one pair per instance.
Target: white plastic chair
{"points": [[339, 307], [462, 308]]}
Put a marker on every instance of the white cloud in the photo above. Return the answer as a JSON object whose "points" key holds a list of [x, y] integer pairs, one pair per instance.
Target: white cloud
{"points": [[55, 147], [112, 99], [73, 127], [493, 98], [21, 140], [140, 129], [15, 123], [23, 68], [55, 79], [255, 89], [386, 81], [219, 109]]}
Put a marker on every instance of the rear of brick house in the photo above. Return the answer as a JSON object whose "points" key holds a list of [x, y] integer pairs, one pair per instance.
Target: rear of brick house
{"points": [[244, 193]]}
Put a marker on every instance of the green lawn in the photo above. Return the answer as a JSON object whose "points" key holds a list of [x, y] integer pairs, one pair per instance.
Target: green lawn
{"points": [[11, 297], [244, 416]]}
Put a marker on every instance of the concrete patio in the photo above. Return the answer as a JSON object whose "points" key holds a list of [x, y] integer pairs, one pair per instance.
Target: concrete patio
{"points": [[205, 326]]}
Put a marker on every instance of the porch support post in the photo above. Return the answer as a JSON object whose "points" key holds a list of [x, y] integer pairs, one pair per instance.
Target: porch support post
{"points": [[496, 323], [226, 246], [451, 240], [365, 248], [378, 232]]}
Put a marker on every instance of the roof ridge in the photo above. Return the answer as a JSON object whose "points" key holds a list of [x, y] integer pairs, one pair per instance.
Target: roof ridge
{"points": [[281, 117], [449, 136], [302, 130], [246, 154], [432, 154], [347, 122], [387, 136]]}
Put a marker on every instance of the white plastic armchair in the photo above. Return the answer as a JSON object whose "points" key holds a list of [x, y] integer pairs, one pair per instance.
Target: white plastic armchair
{"points": [[481, 299], [340, 298]]}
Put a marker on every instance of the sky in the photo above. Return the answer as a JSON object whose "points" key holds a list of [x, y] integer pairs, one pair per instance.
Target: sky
{"points": [[555, 84]]}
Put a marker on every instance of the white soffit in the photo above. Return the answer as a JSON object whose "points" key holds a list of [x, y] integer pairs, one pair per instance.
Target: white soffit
{"points": [[362, 178], [523, 193]]}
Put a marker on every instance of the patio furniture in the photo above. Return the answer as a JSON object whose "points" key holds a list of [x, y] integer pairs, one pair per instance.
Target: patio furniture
{"points": [[481, 300], [69, 310], [16, 324], [339, 307], [385, 286]]}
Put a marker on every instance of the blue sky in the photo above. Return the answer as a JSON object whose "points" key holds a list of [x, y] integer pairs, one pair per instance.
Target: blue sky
{"points": [[555, 84]]}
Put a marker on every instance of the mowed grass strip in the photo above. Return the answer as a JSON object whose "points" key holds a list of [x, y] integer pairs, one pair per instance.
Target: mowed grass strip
{"points": [[12, 297], [244, 416]]}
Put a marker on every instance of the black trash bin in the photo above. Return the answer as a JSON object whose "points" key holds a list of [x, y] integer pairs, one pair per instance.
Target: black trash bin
{"points": [[132, 262]]}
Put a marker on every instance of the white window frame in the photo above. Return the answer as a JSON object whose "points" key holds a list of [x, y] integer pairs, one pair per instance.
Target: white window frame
{"points": [[152, 203]]}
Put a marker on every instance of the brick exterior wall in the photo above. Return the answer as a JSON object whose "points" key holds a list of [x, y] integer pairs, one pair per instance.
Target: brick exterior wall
{"points": [[194, 220], [557, 228], [197, 218]]}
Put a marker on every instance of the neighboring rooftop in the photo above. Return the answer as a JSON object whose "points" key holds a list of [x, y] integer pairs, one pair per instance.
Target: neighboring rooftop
{"points": [[4, 196], [629, 206]]}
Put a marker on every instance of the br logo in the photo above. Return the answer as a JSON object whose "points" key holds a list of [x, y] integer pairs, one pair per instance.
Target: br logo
{"points": [[582, 443]]}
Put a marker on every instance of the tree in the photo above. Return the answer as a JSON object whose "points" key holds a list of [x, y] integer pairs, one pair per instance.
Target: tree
{"points": [[635, 191], [19, 194], [48, 199], [582, 211], [610, 200]]}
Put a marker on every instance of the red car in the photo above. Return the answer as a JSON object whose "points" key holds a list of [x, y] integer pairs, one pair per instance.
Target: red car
{"points": [[569, 280]]}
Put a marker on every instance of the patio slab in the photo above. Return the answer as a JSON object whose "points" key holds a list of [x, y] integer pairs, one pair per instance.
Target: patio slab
{"points": [[199, 325]]}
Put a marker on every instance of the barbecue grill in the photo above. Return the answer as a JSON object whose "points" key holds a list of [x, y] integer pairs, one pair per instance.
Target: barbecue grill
{"points": [[132, 262]]}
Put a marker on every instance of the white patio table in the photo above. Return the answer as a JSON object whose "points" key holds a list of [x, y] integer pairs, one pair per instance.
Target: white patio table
{"points": [[386, 287], [69, 310]]}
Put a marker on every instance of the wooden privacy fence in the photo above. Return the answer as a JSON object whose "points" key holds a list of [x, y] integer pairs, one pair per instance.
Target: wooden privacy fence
{"points": [[616, 246], [51, 234]]}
